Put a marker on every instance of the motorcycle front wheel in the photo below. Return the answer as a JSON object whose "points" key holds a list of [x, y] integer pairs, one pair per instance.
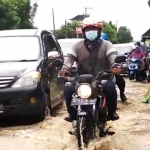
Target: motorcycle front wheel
{"points": [[131, 75]]}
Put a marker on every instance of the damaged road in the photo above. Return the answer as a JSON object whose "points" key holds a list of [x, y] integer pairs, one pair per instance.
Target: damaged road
{"points": [[131, 130]]}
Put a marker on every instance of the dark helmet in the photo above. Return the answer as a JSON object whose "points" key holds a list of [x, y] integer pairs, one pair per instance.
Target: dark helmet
{"points": [[137, 43]]}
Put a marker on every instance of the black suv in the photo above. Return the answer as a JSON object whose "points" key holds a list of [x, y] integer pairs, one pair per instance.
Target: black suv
{"points": [[29, 63]]}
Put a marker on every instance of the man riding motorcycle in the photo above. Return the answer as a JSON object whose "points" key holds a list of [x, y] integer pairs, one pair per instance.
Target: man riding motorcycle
{"points": [[119, 79], [83, 53]]}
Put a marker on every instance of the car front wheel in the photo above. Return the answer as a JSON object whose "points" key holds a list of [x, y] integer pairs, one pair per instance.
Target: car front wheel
{"points": [[46, 111]]}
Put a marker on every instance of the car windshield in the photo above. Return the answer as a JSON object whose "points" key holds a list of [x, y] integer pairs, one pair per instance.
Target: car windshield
{"points": [[144, 47], [122, 50], [66, 47], [19, 48]]}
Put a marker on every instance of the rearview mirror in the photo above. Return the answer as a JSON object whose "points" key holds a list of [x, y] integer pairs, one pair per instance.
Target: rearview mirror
{"points": [[53, 55], [86, 78], [126, 53], [120, 59], [57, 63]]}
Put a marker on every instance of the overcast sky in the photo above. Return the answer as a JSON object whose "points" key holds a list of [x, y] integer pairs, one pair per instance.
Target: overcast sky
{"points": [[131, 13]]}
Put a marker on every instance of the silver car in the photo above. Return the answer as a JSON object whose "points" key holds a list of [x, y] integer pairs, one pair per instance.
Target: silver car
{"points": [[66, 44]]}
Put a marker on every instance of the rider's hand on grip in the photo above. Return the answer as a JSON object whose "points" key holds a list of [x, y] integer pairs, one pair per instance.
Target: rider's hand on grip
{"points": [[63, 72], [116, 69]]}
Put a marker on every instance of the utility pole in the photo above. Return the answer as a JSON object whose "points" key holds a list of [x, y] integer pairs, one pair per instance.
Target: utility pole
{"points": [[65, 29], [117, 24], [87, 8], [53, 21]]}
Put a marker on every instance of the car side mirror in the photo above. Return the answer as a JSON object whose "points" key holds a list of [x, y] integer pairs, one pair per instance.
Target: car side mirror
{"points": [[57, 63], [53, 55]]}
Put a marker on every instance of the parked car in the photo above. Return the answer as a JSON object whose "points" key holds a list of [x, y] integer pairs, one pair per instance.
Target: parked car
{"points": [[29, 63], [66, 44], [123, 48]]}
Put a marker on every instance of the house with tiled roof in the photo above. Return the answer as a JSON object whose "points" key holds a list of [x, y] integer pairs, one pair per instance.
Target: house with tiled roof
{"points": [[79, 17]]}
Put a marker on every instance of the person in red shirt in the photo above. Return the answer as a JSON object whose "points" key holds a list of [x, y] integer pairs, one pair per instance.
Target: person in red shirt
{"points": [[138, 52]]}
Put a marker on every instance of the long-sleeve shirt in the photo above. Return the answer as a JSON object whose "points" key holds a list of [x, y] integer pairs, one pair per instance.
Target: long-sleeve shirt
{"points": [[79, 53], [136, 54]]}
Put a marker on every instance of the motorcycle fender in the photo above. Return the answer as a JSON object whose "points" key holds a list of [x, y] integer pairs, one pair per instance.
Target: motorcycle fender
{"points": [[132, 72], [82, 113]]}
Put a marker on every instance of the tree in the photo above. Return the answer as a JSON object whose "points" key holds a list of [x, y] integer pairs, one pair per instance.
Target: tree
{"points": [[68, 30], [148, 3], [113, 26], [16, 14], [111, 31], [124, 35], [27, 13], [8, 16]]}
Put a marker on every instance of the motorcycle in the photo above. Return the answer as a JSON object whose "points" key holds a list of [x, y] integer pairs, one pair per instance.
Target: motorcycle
{"points": [[136, 66], [148, 78], [90, 102], [122, 60]]}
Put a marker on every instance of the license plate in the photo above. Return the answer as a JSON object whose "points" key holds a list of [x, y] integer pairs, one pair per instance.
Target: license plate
{"points": [[1, 108], [134, 65], [124, 65], [79, 101]]}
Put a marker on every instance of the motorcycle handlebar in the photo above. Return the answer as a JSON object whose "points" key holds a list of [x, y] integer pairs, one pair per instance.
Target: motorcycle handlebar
{"points": [[66, 79], [70, 79]]}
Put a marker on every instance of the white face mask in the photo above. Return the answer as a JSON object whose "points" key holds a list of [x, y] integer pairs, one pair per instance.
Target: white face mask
{"points": [[91, 35]]}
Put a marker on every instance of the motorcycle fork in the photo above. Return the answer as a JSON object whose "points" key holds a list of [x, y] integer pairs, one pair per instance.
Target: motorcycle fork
{"points": [[94, 118], [89, 123]]}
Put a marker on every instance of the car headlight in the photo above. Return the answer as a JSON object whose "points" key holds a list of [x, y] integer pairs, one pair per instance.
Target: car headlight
{"points": [[84, 91], [29, 79]]}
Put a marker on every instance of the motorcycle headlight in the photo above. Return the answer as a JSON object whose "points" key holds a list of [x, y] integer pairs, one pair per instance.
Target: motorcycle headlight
{"points": [[84, 91], [29, 79]]}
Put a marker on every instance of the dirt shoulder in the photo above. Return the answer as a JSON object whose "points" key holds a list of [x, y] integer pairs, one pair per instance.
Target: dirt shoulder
{"points": [[131, 130]]}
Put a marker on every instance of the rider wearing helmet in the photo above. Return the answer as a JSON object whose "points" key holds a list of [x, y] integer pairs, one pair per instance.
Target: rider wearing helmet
{"points": [[138, 52], [137, 45], [119, 79], [84, 52]]}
